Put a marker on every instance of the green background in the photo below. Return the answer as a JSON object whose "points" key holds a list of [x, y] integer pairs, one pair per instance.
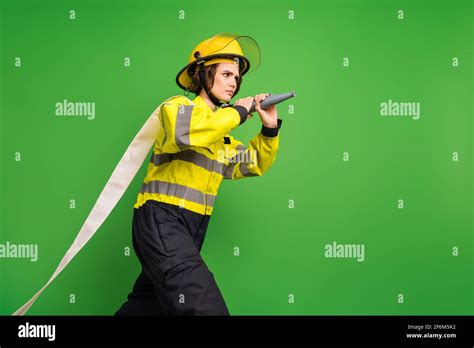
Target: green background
{"points": [[337, 109]]}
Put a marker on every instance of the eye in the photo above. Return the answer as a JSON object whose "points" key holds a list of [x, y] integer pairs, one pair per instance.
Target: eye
{"points": [[226, 74]]}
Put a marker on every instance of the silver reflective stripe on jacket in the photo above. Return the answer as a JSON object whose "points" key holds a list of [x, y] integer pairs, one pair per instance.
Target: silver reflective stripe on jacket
{"points": [[178, 191], [189, 156]]}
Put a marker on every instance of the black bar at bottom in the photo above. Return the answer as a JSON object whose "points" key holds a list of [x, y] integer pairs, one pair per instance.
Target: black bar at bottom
{"points": [[413, 330]]}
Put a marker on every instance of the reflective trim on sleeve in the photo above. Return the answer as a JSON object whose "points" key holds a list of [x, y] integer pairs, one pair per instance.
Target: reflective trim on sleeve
{"points": [[244, 170], [160, 115], [228, 170], [183, 125]]}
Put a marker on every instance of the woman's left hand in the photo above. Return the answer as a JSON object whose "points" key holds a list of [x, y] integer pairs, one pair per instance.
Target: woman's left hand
{"points": [[269, 116]]}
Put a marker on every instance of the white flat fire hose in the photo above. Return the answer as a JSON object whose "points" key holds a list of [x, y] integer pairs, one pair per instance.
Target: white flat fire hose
{"points": [[116, 186]]}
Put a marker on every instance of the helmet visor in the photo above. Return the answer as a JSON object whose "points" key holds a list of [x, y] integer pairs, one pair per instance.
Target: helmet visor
{"points": [[241, 45]]}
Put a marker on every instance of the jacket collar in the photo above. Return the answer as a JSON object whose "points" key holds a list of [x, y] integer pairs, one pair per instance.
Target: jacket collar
{"points": [[200, 101]]}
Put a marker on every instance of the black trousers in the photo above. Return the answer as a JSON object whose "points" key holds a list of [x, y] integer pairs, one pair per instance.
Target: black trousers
{"points": [[174, 279]]}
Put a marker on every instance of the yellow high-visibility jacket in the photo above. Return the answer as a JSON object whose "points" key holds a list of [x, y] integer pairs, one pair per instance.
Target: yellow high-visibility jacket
{"points": [[193, 152]]}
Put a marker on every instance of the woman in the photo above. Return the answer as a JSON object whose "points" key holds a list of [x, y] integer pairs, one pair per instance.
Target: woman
{"points": [[193, 153]]}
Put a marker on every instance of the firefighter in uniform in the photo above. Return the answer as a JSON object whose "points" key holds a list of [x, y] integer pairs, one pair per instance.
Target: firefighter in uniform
{"points": [[192, 154]]}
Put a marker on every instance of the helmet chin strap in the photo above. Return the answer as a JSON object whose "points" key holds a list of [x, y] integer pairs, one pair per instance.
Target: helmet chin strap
{"points": [[202, 79]]}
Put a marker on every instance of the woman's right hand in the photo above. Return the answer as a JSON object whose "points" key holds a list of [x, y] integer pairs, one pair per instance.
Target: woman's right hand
{"points": [[246, 103]]}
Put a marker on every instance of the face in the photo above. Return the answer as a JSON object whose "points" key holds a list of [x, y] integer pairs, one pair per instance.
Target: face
{"points": [[225, 81]]}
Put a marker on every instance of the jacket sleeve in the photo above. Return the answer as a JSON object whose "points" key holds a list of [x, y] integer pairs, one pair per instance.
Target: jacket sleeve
{"points": [[195, 125], [257, 158]]}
